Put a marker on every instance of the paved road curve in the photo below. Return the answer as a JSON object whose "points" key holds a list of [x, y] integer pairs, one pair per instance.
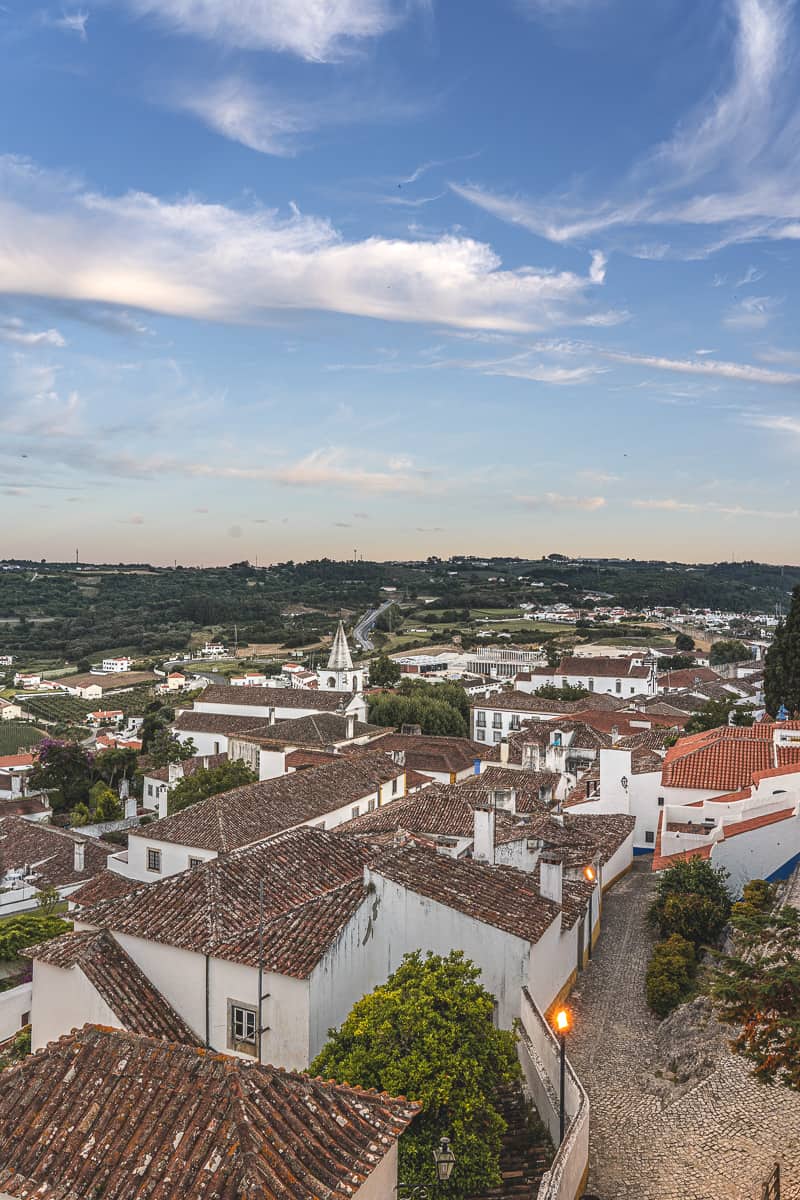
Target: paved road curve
{"points": [[362, 630], [716, 1142]]}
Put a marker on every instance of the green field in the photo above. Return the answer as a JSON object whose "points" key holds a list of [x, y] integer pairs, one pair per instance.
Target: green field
{"points": [[59, 708], [18, 735]]}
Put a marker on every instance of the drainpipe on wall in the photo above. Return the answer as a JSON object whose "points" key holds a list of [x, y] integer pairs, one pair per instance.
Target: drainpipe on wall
{"points": [[208, 1004]]}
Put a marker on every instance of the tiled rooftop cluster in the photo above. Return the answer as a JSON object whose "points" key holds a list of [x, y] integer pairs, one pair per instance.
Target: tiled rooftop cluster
{"points": [[49, 852], [102, 1112], [727, 758]]}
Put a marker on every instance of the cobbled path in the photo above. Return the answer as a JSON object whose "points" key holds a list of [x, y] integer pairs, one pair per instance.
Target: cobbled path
{"points": [[719, 1140]]}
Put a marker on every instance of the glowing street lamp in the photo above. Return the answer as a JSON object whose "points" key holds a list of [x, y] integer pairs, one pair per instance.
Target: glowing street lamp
{"points": [[590, 875], [563, 1024]]}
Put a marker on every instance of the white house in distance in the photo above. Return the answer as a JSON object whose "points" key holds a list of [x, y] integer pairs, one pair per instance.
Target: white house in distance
{"points": [[158, 782], [278, 703], [633, 675], [494, 717], [9, 711], [280, 747], [115, 666], [201, 1121], [35, 857], [323, 796]]}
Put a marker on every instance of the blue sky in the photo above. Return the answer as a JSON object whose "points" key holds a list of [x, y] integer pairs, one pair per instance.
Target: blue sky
{"points": [[284, 278]]}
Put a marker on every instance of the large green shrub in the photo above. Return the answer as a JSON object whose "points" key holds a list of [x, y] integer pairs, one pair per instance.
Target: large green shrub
{"points": [[669, 974], [692, 900]]}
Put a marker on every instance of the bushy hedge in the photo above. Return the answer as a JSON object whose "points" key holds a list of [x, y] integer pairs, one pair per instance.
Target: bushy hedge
{"points": [[669, 974]]}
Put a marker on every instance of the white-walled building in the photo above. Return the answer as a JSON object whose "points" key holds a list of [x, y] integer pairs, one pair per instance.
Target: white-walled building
{"points": [[9, 711], [340, 674], [495, 717], [278, 703], [115, 666], [634, 675], [35, 857], [274, 750]]}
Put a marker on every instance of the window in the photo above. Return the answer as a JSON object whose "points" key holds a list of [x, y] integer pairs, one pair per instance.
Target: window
{"points": [[395, 786], [149, 789], [660, 801], [153, 859], [498, 733], [370, 806], [24, 1020], [515, 721], [591, 685], [618, 685], [241, 1027], [195, 862], [354, 811], [649, 837], [497, 720], [480, 719], [216, 747], [481, 735]]}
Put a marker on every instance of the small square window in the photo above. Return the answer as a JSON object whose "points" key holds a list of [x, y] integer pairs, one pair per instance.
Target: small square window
{"points": [[370, 806], [24, 1020], [354, 811], [153, 859], [498, 734], [481, 735], [241, 1027], [660, 801], [649, 837], [195, 862]]}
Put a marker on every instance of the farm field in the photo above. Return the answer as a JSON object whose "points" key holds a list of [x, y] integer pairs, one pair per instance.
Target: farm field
{"points": [[16, 736], [59, 708]]}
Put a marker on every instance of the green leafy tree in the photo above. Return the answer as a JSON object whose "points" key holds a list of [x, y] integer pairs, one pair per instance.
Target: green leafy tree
{"points": [[757, 988], [209, 782], [684, 642], [80, 816], [48, 900], [166, 748], [65, 769], [728, 650], [384, 672], [104, 802], [427, 1033], [692, 901], [26, 929], [676, 662], [715, 713], [782, 664]]}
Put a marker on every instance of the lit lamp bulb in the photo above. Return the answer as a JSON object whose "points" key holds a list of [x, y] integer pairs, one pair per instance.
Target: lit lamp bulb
{"points": [[562, 1020], [589, 874]]}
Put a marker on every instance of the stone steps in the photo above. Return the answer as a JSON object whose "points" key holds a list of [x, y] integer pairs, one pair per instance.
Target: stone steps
{"points": [[526, 1152]]}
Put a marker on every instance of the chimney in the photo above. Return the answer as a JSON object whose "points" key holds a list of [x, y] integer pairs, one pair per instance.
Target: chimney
{"points": [[80, 856], [272, 716], [205, 762], [483, 835], [350, 727], [163, 802], [504, 752], [551, 878], [614, 734], [130, 807], [174, 772]]}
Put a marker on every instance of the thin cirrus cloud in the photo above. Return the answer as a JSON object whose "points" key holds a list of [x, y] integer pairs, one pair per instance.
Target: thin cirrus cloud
{"points": [[558, 503], [731, 163], [213, 262], [14, 332], [74, 22], [742, 372], [258, 117], [670, 504], [315, 30], [331, 467]]}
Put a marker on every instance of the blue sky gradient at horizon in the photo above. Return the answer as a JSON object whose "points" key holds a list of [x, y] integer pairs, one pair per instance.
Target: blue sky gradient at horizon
{"points": [[282, 278]]}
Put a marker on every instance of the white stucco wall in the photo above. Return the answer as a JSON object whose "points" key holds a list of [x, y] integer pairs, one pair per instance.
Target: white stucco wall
{"points": [[174, 857], [382, 1183], [205, 743], [758, 853], [285, 1043], [14, 1005], [64, 999]]}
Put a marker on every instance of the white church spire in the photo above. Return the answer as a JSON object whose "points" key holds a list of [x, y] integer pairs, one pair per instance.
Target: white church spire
{"points": [[340, 657]]}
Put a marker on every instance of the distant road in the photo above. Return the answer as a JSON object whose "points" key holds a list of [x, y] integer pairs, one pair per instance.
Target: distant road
{"points": [[362, 630]]}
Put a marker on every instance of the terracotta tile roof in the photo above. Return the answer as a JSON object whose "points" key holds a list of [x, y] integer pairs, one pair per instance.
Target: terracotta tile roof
{"points": [[188, 766], [261, 810], [533, 788], [206, 908], [446, 810], [221, 695], [8, 761], [318, 729], [584, 737], [116, 978], [688, 677], [599, 667], [49, 852], [227, 724], [725, 759], [646, 739], [603, 832], [747, 826], [297, 760], [629, 722], [107, 885], [106, 1112], [502, 897], [424, 753]]}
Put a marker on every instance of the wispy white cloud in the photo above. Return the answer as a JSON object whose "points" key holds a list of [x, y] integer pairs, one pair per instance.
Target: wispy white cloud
{"points": [[14, 331], [751, 275], [779, 356], [754, 312], [778, 424], [210, 261], [596, 476], [670, 504], [730, 164], [742, 372], [316, 30], [332, 468], [557, 502], [74, 22]]}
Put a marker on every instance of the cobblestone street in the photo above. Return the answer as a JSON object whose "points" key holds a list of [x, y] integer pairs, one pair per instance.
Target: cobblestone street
{"points": [[719, 1140]]}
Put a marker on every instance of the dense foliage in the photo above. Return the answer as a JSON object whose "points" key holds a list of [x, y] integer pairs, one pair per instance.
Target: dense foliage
{"points": [[683, 642], [568, 691], [427, 1033], [440, 709], [669, 974], [383, 672], [209, 782], [718, 712], [782, 666], [68, 772], [27, 929], [728, 650], [757, 988]]}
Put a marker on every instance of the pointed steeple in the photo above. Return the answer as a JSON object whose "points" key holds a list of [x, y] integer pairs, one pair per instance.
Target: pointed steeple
{"points": [[340, 659]]}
